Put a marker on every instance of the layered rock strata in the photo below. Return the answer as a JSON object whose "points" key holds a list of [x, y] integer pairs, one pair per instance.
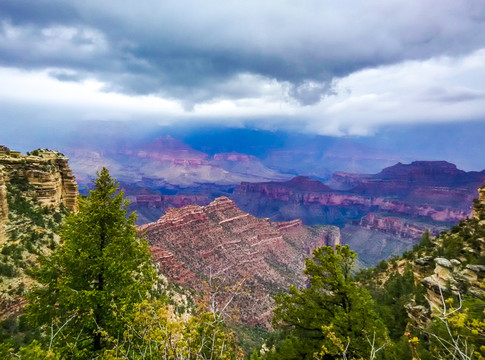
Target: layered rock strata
{"points": [[47, 172], [195, 243], [263, 196], [401, 227]]}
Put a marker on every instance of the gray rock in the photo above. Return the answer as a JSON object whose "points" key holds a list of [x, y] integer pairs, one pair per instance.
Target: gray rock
{"points": [[444, 263], [479, 269], [424, 261], [431, 284], [477, 292], [455, 262]]}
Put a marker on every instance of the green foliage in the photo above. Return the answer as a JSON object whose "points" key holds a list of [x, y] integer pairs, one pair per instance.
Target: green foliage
{"points": [[334, 310], [158, 332], [390, 299], [425, 241], [89, 286], [16, 332]]}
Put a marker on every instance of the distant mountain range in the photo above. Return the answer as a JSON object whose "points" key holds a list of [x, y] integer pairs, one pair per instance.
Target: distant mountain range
{"points": [[168, 162], [226, 158], [379, 214]]}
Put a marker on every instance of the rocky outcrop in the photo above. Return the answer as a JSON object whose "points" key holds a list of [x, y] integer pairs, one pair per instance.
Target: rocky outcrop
{"points": [[479, 204], [402, 227], [424, 180], [46, 171], [221, 241], [443, 276], [422, 172]]}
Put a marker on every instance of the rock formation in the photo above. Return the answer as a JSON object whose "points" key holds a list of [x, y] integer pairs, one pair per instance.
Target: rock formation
{"points": [[443, 276], [194, 243], [301, 194], [398, 226], [46, 171]]}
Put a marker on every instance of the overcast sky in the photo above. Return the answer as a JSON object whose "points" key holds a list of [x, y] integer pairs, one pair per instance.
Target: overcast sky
{"points": [[330, 67]]}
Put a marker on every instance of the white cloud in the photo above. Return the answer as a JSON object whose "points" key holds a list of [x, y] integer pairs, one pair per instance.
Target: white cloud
{"points": [[439, 89], [436, 90]]}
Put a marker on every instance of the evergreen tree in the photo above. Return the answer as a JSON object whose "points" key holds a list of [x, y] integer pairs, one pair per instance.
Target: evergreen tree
{"points": [[425, 239], [89, 286], [332, 312]]}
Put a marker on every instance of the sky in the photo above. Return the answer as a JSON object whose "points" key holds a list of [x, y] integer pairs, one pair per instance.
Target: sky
{"points": [[334, 68]]}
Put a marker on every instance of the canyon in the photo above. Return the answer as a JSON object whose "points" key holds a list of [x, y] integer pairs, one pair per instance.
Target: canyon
{"points": [[194, 244], [379, 215], [388, 210]]}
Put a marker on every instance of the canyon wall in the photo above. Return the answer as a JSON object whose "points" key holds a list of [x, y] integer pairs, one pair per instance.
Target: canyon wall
{"points": [[196, 243], [257, 198], [48, 174], [379, 215]]}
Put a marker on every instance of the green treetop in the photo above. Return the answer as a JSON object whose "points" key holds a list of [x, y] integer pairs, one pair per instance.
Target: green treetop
{"points": [[91, 283], [332, 316]]}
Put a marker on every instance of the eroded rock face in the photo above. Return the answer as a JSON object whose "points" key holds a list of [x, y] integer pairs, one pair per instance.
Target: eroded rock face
{"points": [[221, 241], [452, 275], [259, 197], [49, 174], [381, 214], [397, 226]]}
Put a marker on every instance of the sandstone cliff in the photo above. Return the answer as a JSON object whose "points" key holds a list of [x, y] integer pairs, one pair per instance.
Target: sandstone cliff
{"points": [[33, 189], [46, 171], [194, 243], [284, 200]]}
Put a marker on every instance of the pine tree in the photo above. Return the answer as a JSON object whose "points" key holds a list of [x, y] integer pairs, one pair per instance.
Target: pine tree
{"points": [[425, 239], [89, 286], [333, 315]]}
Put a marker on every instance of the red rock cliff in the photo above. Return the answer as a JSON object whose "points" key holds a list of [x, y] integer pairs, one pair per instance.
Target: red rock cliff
{"points": [[222, 240]]}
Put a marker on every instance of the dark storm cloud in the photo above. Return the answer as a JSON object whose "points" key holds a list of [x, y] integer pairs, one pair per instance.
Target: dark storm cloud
{"points": [[196, 51]]}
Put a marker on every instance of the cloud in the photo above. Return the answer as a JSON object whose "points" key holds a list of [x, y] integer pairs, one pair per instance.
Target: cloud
{"points": [[436, 90], [452, 94], [440, 89], [196, 54]]}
